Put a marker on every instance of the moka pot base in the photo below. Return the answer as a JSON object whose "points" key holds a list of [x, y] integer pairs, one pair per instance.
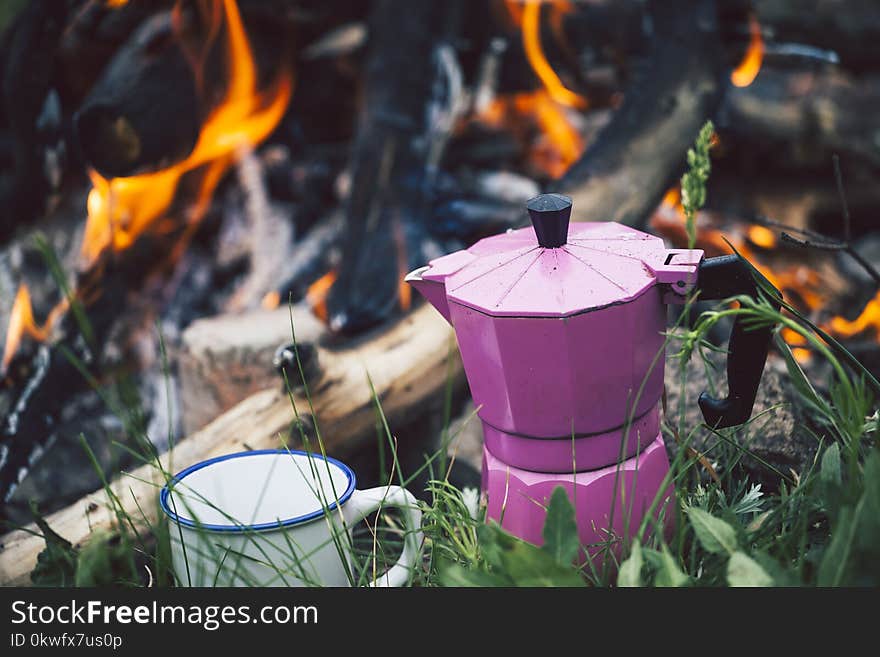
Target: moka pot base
{"points": [[518, 498]]}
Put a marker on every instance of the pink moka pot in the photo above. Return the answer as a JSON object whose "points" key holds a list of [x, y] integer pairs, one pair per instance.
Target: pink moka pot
{"points": [[561, 332]]}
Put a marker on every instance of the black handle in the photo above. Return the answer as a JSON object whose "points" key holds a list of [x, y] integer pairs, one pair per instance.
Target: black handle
{"points": [[719, 278]]}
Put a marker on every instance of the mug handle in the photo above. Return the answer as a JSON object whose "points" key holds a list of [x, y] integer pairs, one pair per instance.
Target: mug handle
{"points": [[364, 502]]}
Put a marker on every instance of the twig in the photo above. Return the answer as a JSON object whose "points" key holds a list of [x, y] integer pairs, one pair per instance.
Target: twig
{"points": [[813, 240], [838, 179], [808, 243]]}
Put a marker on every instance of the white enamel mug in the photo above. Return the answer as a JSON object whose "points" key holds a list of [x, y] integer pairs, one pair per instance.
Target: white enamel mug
{"points": [[277, 518]]}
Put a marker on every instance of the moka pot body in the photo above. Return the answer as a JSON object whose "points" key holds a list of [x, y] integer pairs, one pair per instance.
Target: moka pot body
{"points": [[561, 330]]}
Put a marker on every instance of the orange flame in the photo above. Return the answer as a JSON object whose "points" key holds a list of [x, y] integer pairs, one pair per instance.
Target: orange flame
{"points": [[747, 70], [121, 209], [530, 21], [559, 144], [799, 279], [404, 291], [868, 319], [316, 296], [271, 301], [21, 323], [672, 200], [797, 343], [762, 236]]}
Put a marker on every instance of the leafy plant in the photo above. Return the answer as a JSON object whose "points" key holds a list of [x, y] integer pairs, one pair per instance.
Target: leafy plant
{"points": [[509, 561], [693, 182]]}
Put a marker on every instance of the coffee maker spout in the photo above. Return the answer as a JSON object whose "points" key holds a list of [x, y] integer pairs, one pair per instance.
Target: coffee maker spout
{"points": [[433, 291]]}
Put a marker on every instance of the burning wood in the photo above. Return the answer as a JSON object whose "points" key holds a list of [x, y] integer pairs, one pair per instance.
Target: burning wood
{"points": [[120, 209], [21, 323], [120, 212], [623, 175], [811, 286]]}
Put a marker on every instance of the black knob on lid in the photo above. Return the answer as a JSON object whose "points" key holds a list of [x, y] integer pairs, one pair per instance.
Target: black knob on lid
{"points": [[550, 215]]}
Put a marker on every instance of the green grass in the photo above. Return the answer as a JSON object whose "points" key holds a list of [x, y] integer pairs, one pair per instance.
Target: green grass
{"points": [[822, 527]]}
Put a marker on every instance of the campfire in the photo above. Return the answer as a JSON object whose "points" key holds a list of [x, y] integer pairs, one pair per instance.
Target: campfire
{"points": [[185, 176]]}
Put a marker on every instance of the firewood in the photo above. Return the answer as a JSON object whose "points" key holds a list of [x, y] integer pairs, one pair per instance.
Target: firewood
{"points": [[224, 359], [850, 28], [407, 363], [817, 113], [144, 113], [26, 70], [389, 164], [623, 175]]}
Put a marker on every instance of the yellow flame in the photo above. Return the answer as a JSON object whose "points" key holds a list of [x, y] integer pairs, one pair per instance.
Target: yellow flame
{"points": [[762, 236], [271, 301], [531, 33], [121, 209], [316, 296], [868, 319], [747, 70], [21, 323]]}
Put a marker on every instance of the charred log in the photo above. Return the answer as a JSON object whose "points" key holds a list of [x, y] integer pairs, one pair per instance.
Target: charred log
{"points": [[386, 208], [37, 387], [144, 113], [94, 32], [623, 175], [312, 257], [850, 28], [816, 112], [27, 69]]}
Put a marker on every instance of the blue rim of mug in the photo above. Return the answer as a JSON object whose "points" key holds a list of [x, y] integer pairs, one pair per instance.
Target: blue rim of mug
{"points": [[263, 526]]}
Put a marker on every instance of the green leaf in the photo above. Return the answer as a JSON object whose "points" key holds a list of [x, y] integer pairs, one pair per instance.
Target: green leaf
{"points": [[668, 572], [522, 564], [107, 559], [715, 535], [835, 560], [631, 570], [529, 565], [742, 570], [560, 529], [800, 381], [456, 575], [868, 535], [829, 471], [56, 564]]}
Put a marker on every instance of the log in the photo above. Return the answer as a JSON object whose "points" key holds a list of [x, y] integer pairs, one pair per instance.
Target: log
{"points": [[26, 71], [144, 113], [850, 28], [816, 112], [93, 32], [623, 175], [407, 362], [224, 359], [38, 385], [385, 212]]}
